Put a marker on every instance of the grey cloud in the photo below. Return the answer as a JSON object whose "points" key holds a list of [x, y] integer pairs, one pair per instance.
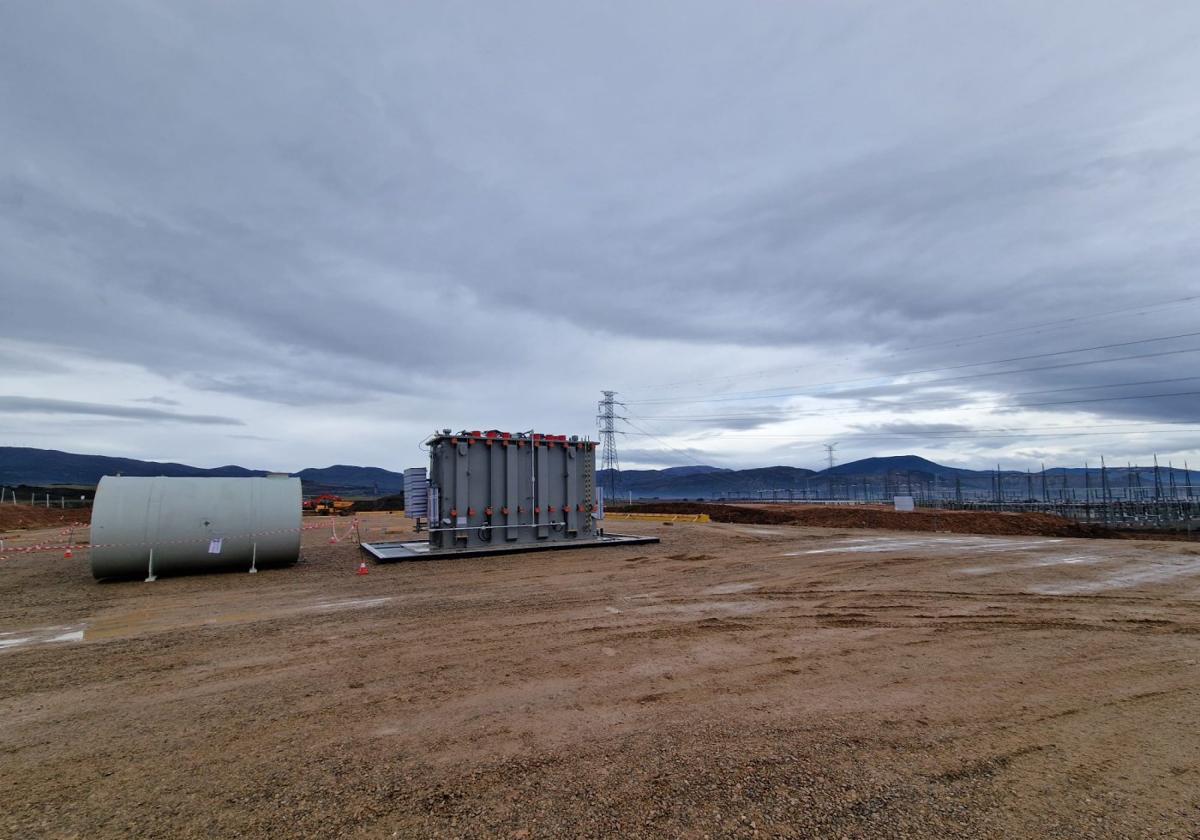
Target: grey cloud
{"points": [[420, 204], [38, 405], [678, 457], [156, 400], [291, 390], [915, 429], [31, 362], [743, 423], [739, 420]]}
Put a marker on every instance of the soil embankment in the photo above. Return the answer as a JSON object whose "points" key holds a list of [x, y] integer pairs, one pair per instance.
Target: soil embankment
{"points": [[823, 516], [17, 517]]}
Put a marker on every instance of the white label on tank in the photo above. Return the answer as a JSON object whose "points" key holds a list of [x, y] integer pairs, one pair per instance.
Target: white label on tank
{"points": [[214, 546], [462, 522]]}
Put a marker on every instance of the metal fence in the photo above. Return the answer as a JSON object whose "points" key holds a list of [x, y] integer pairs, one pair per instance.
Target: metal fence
{"points": [[1169, 506], [1161, 514], [9, 496]]}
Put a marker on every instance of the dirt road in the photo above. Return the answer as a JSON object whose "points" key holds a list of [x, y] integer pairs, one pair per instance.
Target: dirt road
{"points": [[734, 680]]}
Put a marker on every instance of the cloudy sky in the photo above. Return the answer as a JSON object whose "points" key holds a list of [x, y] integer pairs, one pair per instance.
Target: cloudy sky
{"points": [[288, 234]]}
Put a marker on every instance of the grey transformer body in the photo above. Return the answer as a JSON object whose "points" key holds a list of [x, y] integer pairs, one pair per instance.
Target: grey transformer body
{"points": [[193, 524], [495, 493], [506, 490]]}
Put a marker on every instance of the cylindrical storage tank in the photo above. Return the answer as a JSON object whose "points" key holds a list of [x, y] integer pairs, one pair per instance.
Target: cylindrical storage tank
{"points": [[193, 524]]}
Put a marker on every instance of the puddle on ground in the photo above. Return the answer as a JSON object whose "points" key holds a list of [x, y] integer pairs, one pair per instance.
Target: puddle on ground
{"points": [[60, 634], [157, 620], [730, 588], [1156, 573], [873, 545], [701, 608], [349, 604], [1037, 563]]}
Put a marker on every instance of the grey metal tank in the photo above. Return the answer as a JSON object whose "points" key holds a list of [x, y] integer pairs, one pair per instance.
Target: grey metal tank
{"points": [[193, 524]]}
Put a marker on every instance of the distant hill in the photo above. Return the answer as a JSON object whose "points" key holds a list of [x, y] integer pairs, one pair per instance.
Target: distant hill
{"points": [[24, 465], [880, 476], [366, 481], [21, 465], [894, 464], [685, 482], [696, 470]]}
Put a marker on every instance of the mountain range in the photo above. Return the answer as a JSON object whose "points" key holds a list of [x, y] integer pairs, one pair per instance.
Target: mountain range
{"points": [[878, 477], [49, 467]]}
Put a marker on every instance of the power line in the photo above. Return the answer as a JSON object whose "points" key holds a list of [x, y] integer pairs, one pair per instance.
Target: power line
{"points": [[1000, 433], [1110, 399], [951, 341], [1125, 311], [741, 395], [1011, 433], [642, 431], [878, 404], [715, 476], [944, 435], [952, 404], [943, 380], [1130, 429], [1109, 385]]}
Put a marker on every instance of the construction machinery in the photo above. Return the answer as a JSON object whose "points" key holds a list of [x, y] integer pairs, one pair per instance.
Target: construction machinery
{"points": [[327, 504]]}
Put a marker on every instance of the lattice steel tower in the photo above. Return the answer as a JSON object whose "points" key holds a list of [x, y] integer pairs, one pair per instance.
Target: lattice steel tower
{"points": [[829, 450], [606, 420]]}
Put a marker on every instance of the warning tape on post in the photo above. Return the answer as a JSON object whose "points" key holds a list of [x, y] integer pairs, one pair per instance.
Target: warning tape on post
{"points": [[36, 548]]}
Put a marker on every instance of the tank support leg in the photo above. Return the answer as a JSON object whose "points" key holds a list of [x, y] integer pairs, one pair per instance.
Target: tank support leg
{"points": [[254, 559], [150, 569]]}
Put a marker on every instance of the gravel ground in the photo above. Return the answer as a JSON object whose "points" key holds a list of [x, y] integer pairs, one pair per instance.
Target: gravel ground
{"points": [[733, 681]]}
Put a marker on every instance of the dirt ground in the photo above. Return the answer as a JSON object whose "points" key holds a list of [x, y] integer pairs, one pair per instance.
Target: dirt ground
{"points": [[13, 517], [733, 681], [997, 523]]}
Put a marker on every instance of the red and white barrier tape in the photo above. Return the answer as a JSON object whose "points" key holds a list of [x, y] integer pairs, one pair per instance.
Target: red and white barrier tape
{"points": [[47, 547]]}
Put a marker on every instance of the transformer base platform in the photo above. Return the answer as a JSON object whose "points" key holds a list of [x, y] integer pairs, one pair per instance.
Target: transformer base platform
{"points": [[386, 552]]}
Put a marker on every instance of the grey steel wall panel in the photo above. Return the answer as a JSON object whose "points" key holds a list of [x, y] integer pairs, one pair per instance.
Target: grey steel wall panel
{"points": [[519, 488], [508, 504], [544, 492], [571, 491]]}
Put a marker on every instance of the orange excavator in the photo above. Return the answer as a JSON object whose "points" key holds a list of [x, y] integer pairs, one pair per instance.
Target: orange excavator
{"points": [[327, 504]]}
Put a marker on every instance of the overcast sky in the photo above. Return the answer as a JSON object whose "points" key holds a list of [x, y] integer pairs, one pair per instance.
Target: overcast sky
{"points": [[289, 234]]}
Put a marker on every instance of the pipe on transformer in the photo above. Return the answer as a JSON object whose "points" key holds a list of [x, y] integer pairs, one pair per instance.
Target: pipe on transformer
{"points": [[193, 525]]}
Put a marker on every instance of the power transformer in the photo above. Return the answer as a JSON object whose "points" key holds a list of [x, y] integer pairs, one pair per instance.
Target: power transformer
{"points": [[495, 487], [499, 492]]}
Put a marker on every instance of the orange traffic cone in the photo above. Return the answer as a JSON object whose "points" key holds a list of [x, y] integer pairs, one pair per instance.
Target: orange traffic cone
{"points": [[362, 568]]}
